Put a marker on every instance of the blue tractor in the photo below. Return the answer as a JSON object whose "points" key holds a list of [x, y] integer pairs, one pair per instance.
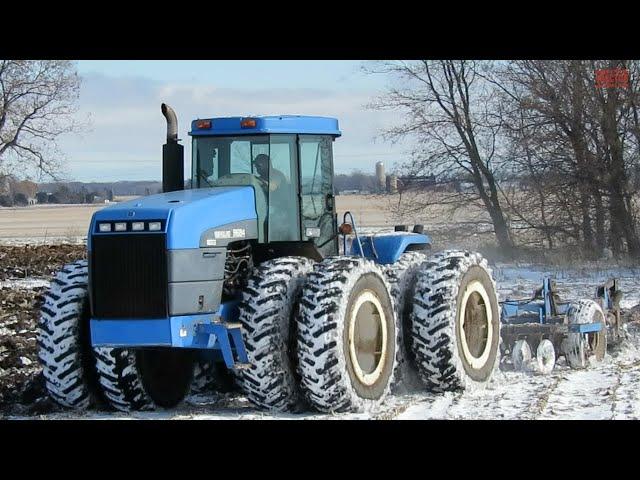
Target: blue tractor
{"points": [[243, 273]]}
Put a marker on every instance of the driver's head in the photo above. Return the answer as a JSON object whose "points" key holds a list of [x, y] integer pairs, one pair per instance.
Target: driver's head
{"points": [[261, 164]]}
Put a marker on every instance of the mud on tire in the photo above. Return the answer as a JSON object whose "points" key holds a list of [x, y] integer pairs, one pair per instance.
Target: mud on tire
{"points": [[65, 352], [450, 356], [267, 311], [346, 335]]}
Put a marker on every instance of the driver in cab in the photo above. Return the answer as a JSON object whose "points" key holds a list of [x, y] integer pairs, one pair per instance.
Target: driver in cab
{"points": [[274, 178]]}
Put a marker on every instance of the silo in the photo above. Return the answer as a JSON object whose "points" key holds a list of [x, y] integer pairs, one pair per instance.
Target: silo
{"points": [[380, 176], [392, 183]]}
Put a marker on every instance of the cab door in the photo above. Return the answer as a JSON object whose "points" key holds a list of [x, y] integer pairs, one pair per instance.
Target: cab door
{"points": [[317, 200]]}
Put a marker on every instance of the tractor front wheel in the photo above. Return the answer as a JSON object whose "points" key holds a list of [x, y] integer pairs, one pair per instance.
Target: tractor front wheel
{"points": [[166, 374], [68, 365], [267, 311]]}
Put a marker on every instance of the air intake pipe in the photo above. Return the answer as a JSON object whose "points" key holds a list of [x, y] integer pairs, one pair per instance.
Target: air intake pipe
{"points": [[172, 154]]}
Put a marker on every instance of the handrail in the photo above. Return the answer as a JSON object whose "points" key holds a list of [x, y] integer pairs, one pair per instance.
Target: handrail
{"points": [[355, 231]]}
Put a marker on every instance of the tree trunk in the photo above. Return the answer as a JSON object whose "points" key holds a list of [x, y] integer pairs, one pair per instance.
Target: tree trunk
{"points": [[601, 240], [587, 230]]}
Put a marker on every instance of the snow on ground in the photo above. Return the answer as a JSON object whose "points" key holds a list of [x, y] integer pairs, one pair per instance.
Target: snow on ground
{"points": [[605, 391], [608, 390]]}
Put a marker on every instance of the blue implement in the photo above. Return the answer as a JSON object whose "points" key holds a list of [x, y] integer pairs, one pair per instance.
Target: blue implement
{"points": [[585, 327]]}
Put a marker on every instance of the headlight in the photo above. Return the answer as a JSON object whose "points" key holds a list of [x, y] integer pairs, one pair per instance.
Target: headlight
{"points": [[137, 226], [121, 227], [104, 227], [154, 226]]}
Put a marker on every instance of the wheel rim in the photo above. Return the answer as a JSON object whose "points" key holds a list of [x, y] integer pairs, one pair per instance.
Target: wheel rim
{"points": [[546, 356], [521, 355], [476, 317], [367, 338]]}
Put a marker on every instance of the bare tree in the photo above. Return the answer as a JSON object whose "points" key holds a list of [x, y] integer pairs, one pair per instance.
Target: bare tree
{"points": [[577, 146], [452, 116], [37, 103]]}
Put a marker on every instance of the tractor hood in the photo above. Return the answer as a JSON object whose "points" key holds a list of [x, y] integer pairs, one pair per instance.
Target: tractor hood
{"points": [[184, 215]]}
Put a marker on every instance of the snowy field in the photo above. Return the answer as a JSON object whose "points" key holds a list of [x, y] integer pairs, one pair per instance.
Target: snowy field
{"points": [[609, 390]]}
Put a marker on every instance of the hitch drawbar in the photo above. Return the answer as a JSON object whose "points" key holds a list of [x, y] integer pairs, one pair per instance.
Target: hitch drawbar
{"points": [[225, 334]]}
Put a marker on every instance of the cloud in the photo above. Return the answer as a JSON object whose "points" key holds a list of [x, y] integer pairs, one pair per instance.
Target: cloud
{"points": [[128, 130]]}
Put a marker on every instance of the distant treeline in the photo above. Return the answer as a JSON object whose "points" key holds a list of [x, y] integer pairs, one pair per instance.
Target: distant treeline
{"points": [[120, 188], [16, 193], [354, 181]]}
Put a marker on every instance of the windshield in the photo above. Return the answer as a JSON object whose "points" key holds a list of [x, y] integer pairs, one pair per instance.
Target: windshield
{"points": [[268, 163]]}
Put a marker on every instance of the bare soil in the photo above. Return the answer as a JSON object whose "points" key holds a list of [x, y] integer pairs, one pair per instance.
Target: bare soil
{"points": [[21, 384]]}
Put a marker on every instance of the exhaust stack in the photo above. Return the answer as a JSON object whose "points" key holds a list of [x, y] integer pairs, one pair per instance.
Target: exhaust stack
{"points": [[172, 154]]}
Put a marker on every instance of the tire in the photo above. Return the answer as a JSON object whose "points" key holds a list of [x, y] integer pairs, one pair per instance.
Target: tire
{"points": [[545, 356], [120, 379], [521, 355], [65, 353], [402, 277], [579, 347], [144, 378], [447, 284], [267, 313], [212, 376], [202, 377], [339, 374]]}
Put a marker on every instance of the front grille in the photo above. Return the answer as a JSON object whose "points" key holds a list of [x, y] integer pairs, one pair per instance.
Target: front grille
{"points": [[128, 275]]}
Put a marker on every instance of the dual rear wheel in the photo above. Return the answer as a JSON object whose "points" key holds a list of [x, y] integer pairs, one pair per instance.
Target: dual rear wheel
{"points": [[358, 327]]}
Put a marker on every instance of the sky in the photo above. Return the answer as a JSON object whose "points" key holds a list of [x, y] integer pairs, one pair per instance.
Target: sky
{"points": [[120, 106]]}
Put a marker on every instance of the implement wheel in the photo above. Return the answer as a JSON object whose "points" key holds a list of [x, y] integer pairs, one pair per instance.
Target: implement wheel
{"points": [[521, 355], [546, 356], [579, 347]]}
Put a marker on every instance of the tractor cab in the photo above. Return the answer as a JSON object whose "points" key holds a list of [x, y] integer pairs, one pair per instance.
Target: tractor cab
{"points": [[289, 163]]}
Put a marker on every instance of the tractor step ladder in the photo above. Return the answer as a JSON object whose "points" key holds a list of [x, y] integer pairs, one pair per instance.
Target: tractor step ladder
{"points": [[229, 338]]}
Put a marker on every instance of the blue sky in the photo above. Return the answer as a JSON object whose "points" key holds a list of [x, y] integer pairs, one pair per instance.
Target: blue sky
{"points": [[120, 102]]}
